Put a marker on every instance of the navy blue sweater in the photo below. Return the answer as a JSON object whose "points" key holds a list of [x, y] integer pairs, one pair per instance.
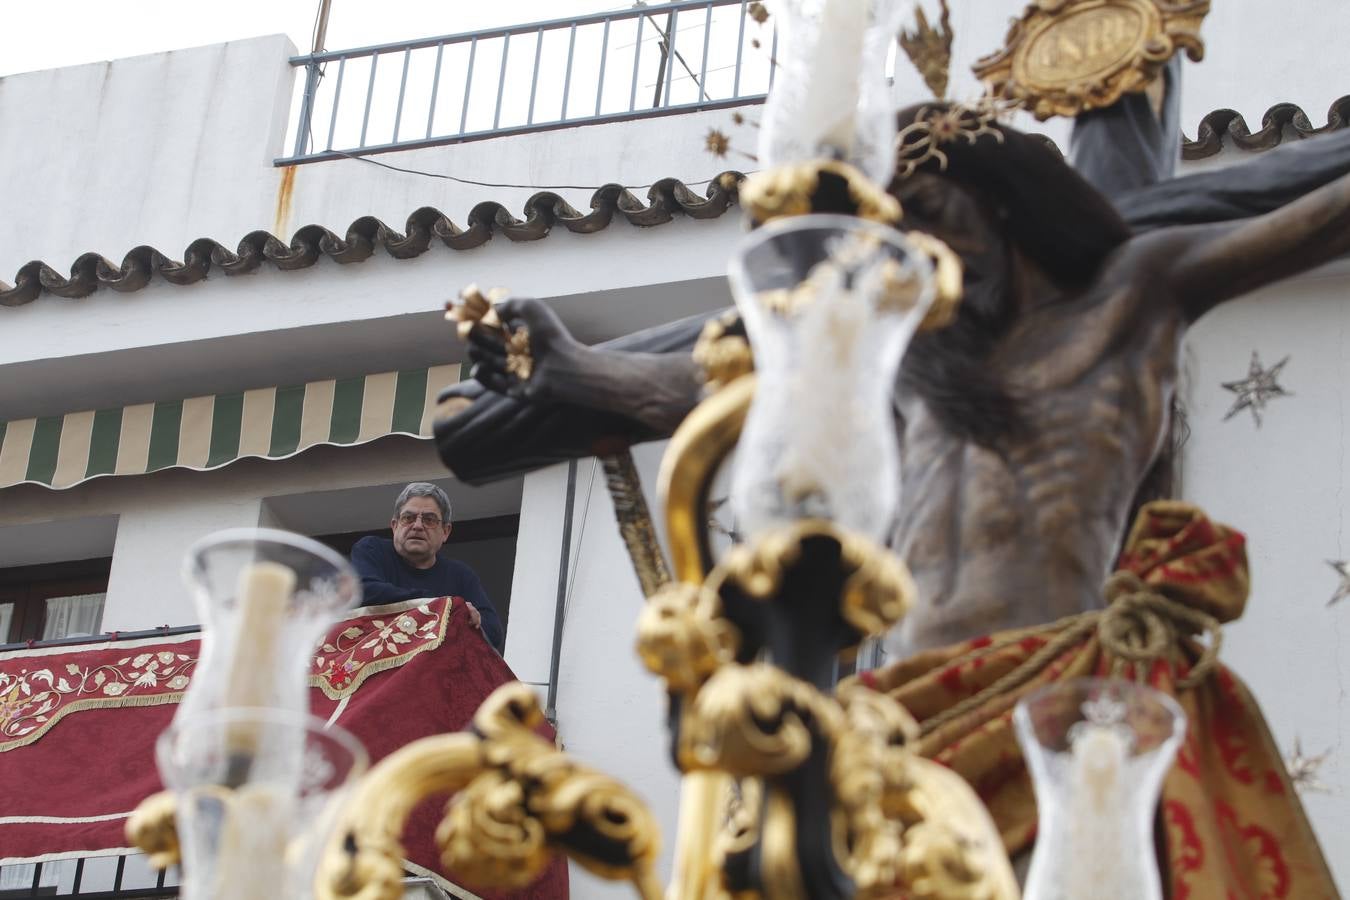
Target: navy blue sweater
{"points": [[387, 578]]}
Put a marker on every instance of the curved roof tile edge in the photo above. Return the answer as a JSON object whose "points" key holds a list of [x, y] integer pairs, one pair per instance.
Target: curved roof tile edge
{"points": [[1281, 122], [543, 211]]}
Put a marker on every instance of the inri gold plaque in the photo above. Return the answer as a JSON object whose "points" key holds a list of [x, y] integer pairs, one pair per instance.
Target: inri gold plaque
{"points": [[1064, 57]]}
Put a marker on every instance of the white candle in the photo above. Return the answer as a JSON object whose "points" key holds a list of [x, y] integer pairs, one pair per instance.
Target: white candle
{"points": [[1100, 817], [265, 589], [835, 77]]}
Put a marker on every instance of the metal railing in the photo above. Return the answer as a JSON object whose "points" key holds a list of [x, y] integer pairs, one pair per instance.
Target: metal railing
{"points": [[127, 878], [93, 878], [608, 67]]}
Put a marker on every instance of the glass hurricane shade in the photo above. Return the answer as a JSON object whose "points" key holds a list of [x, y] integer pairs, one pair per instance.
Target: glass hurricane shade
{"points": [[1097, 750], [830, 304], [831, 96], [257, 792], [264, 599]]}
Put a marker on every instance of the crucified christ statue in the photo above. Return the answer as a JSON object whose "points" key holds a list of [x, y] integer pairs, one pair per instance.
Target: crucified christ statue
{"points": [[1027, 426]]}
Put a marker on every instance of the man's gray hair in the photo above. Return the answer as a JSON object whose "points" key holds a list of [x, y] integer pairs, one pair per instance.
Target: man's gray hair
{"points": [[424, 489]]}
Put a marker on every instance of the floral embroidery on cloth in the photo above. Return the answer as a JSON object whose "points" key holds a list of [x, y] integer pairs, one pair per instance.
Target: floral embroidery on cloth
{"points": [[374, 643], [40, 687], [33, 699]]}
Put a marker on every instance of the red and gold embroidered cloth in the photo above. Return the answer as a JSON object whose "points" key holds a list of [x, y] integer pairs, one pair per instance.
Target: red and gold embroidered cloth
{"points": [[78, 725], [1235, 827]]}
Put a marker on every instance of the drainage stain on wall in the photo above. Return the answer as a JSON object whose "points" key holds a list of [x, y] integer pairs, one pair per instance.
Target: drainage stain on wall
{"points": [[281, 219]]}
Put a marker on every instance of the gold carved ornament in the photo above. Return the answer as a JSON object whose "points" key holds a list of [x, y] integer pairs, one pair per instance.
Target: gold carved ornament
{"points": [[1065, 57], [474, 309], [152, 828], [822, 185], [518, 802], [930, 48], [722, 356], [877, 591]]}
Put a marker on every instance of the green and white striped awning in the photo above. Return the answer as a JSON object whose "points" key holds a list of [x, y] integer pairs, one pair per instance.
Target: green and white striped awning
{"points": [[213, 431]]}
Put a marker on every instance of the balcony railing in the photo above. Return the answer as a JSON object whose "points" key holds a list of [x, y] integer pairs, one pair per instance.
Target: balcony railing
{"points": [[94, 878], [129, 878], [609, 67]]}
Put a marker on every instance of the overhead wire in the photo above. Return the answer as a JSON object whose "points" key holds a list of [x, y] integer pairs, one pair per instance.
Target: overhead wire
{"points": [[498, 184]]}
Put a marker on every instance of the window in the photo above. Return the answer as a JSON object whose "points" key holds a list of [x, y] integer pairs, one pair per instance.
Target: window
{"points": [[54, 600]]}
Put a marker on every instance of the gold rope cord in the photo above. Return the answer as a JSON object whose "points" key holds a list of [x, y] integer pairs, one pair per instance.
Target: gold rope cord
{"points": [[1138, 626]]}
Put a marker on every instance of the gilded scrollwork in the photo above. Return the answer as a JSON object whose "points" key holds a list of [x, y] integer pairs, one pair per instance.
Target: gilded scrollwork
{"points": [[878, 589], [908, 821], [518, 802], [779, 192], [899, 821], [152, 828], [739, 833], [721, 355], [683, 637], [823, 185], [755, 720], [489, 836], [868, 771], [952, 850], [757, 569]]}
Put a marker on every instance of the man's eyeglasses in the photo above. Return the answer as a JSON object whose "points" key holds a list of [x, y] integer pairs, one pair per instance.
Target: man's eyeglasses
{"points": [[430, 520]]}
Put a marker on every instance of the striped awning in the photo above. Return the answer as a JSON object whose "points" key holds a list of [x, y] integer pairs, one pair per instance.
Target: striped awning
{"points": [[213, 431]]}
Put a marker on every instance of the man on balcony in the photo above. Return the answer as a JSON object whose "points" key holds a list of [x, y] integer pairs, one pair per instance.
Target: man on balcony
{"points": [[410, 567]]}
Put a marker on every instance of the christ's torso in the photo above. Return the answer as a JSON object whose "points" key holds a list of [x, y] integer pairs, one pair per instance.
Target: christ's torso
{"points": [[1026, 534]]}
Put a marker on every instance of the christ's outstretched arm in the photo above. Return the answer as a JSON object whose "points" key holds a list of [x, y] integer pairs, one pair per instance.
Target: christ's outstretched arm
{"points": [[1214, 263]]}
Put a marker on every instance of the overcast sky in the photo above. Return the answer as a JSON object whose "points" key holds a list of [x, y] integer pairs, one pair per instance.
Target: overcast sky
{"points": [[54, 33]]}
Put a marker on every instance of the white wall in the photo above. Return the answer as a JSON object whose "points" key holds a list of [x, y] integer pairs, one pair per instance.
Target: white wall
{"points": [[145, 586], [611, 710], [154, 150], [1284, 485]]}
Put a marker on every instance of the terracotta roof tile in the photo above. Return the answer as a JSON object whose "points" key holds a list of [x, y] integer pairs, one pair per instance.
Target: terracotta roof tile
{"points": [[666, 198], [1283, 121]]}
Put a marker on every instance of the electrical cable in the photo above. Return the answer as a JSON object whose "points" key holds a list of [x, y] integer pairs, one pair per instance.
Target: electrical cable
{"points": [[494, 184], [581, 535]]}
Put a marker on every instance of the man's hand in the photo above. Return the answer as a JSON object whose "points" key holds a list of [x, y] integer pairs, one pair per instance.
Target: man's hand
{"points": [[557, 356], [475, 618]]}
